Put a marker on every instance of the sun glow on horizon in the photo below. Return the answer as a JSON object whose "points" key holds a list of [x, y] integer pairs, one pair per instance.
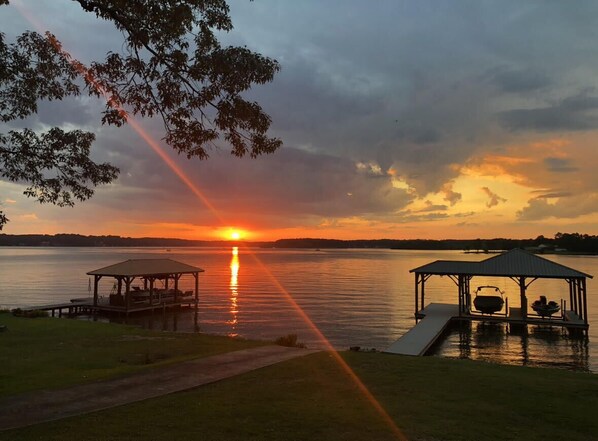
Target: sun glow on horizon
{"points": [[232, 234]]}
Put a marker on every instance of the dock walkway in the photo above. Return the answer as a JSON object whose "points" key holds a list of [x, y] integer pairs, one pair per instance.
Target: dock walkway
{"points": [[75, 306], [419, 338]]}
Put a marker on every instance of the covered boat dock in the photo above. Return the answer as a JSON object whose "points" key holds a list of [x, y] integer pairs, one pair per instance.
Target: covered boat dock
{"points": [[521, 267], [126, 297]]}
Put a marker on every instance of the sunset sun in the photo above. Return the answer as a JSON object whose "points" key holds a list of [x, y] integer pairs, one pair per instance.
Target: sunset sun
{"points": [[235, 235]]}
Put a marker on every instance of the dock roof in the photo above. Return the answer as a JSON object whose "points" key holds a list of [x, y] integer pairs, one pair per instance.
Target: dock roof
{"points": [[146, 267], [513, 263]]}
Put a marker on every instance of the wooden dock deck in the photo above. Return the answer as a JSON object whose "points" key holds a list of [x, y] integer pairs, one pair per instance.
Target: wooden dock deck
{"points": [[436, 316], [86, 306], [75, 306], [419, 338]]}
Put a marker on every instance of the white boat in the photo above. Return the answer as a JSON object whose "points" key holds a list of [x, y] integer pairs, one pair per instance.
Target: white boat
{"points": [[488, 304]]}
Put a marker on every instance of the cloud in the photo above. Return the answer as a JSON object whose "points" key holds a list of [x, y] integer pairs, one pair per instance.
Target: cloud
{"points": [[449, 195], [288, 188], [522, 80], [466, 224], [560, 165], [410, 216], [572, 113], [27, 217], [421, 88], [551, 194], [566, 208], [494, 199]]}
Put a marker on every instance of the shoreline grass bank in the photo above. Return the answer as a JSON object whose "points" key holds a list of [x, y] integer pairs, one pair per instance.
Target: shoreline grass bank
{"points": [[313, 398], [49, 353]]}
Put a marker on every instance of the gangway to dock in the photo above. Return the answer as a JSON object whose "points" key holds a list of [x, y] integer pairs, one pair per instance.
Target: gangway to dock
{"points": [[75, 306], [419, 338]]}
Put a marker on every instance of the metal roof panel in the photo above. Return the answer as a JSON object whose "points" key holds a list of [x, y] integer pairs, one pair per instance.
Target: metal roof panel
{"points": [[146, 267]]}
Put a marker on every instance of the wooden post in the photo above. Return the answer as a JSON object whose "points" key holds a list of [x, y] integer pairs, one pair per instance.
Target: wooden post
{"points": [[416, 295], [127, 293], [196, 275], [423, 303], [120, 285], [579, 304], [468, 294], [570, 293], [176, 287], [585, 301], [96, 282], [460, 289], [523, 297], [151, 290], [574, 303]]}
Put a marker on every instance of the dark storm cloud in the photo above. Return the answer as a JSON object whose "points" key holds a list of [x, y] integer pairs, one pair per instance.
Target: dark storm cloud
{"points": [[81, 112], [306, 100], [292, 183], [427, 78], [295, 182], [518, 80], [572, 113]]}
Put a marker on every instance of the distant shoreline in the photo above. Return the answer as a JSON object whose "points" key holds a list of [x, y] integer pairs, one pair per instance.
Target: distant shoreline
{"points": [[574, 244]]}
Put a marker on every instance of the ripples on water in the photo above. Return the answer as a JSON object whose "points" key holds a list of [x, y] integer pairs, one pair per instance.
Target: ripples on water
{"points": [[354, 297]]}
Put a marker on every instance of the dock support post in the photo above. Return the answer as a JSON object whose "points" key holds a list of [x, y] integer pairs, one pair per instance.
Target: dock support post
{"points": [[176, 287], [196, 276], [96, 283], [416, 295], [523, 298], [460, 296], [585, 301], [571, 294], [423, 303], [574, 304]]}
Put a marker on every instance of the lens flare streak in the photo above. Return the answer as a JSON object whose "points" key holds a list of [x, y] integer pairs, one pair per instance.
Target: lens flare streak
{"points": [[155, 146]]}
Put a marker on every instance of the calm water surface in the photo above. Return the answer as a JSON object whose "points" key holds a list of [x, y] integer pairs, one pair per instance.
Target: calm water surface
{"points": [[353, 297]]}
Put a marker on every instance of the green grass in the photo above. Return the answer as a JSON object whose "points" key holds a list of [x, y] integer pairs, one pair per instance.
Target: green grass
{"points": [[312, 398], [47, 353]]}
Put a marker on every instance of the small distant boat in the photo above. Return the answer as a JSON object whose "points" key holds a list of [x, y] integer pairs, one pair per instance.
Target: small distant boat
{"points": [[545, 309], [488, 304]]}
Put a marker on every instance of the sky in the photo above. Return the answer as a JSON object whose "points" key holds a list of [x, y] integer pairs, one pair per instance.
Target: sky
{"points": [[400, 119]]}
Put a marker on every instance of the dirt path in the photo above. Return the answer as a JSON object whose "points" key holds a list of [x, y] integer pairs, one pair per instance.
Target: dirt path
{"points": [[41, 406]]}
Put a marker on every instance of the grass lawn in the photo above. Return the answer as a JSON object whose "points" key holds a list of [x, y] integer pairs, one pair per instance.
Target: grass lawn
{"points": [[312, 398], [50, 353]]}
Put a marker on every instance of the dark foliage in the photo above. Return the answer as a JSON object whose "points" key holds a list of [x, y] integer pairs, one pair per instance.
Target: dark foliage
{"points": [[171, 66], [562, 242]]}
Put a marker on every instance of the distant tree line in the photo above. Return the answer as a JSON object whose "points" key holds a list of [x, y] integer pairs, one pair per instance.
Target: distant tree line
{"points": [[569, 242], [77, 240]]}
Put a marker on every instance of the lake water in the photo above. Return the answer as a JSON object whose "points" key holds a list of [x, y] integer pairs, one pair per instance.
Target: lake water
{"points": [[352, 297]]}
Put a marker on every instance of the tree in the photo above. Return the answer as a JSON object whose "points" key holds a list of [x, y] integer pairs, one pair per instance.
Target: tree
{"points": [[171, 66]]}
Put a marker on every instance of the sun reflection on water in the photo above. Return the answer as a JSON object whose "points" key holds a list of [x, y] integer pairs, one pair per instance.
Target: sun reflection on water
{"points": [[234, 291]]}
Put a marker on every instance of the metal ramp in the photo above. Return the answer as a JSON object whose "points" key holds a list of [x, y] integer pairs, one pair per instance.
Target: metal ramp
{"points": [[419, 338]]}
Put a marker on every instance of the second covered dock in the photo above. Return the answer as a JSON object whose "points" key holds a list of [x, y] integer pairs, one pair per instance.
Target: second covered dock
{"points": [[520, 266]]}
